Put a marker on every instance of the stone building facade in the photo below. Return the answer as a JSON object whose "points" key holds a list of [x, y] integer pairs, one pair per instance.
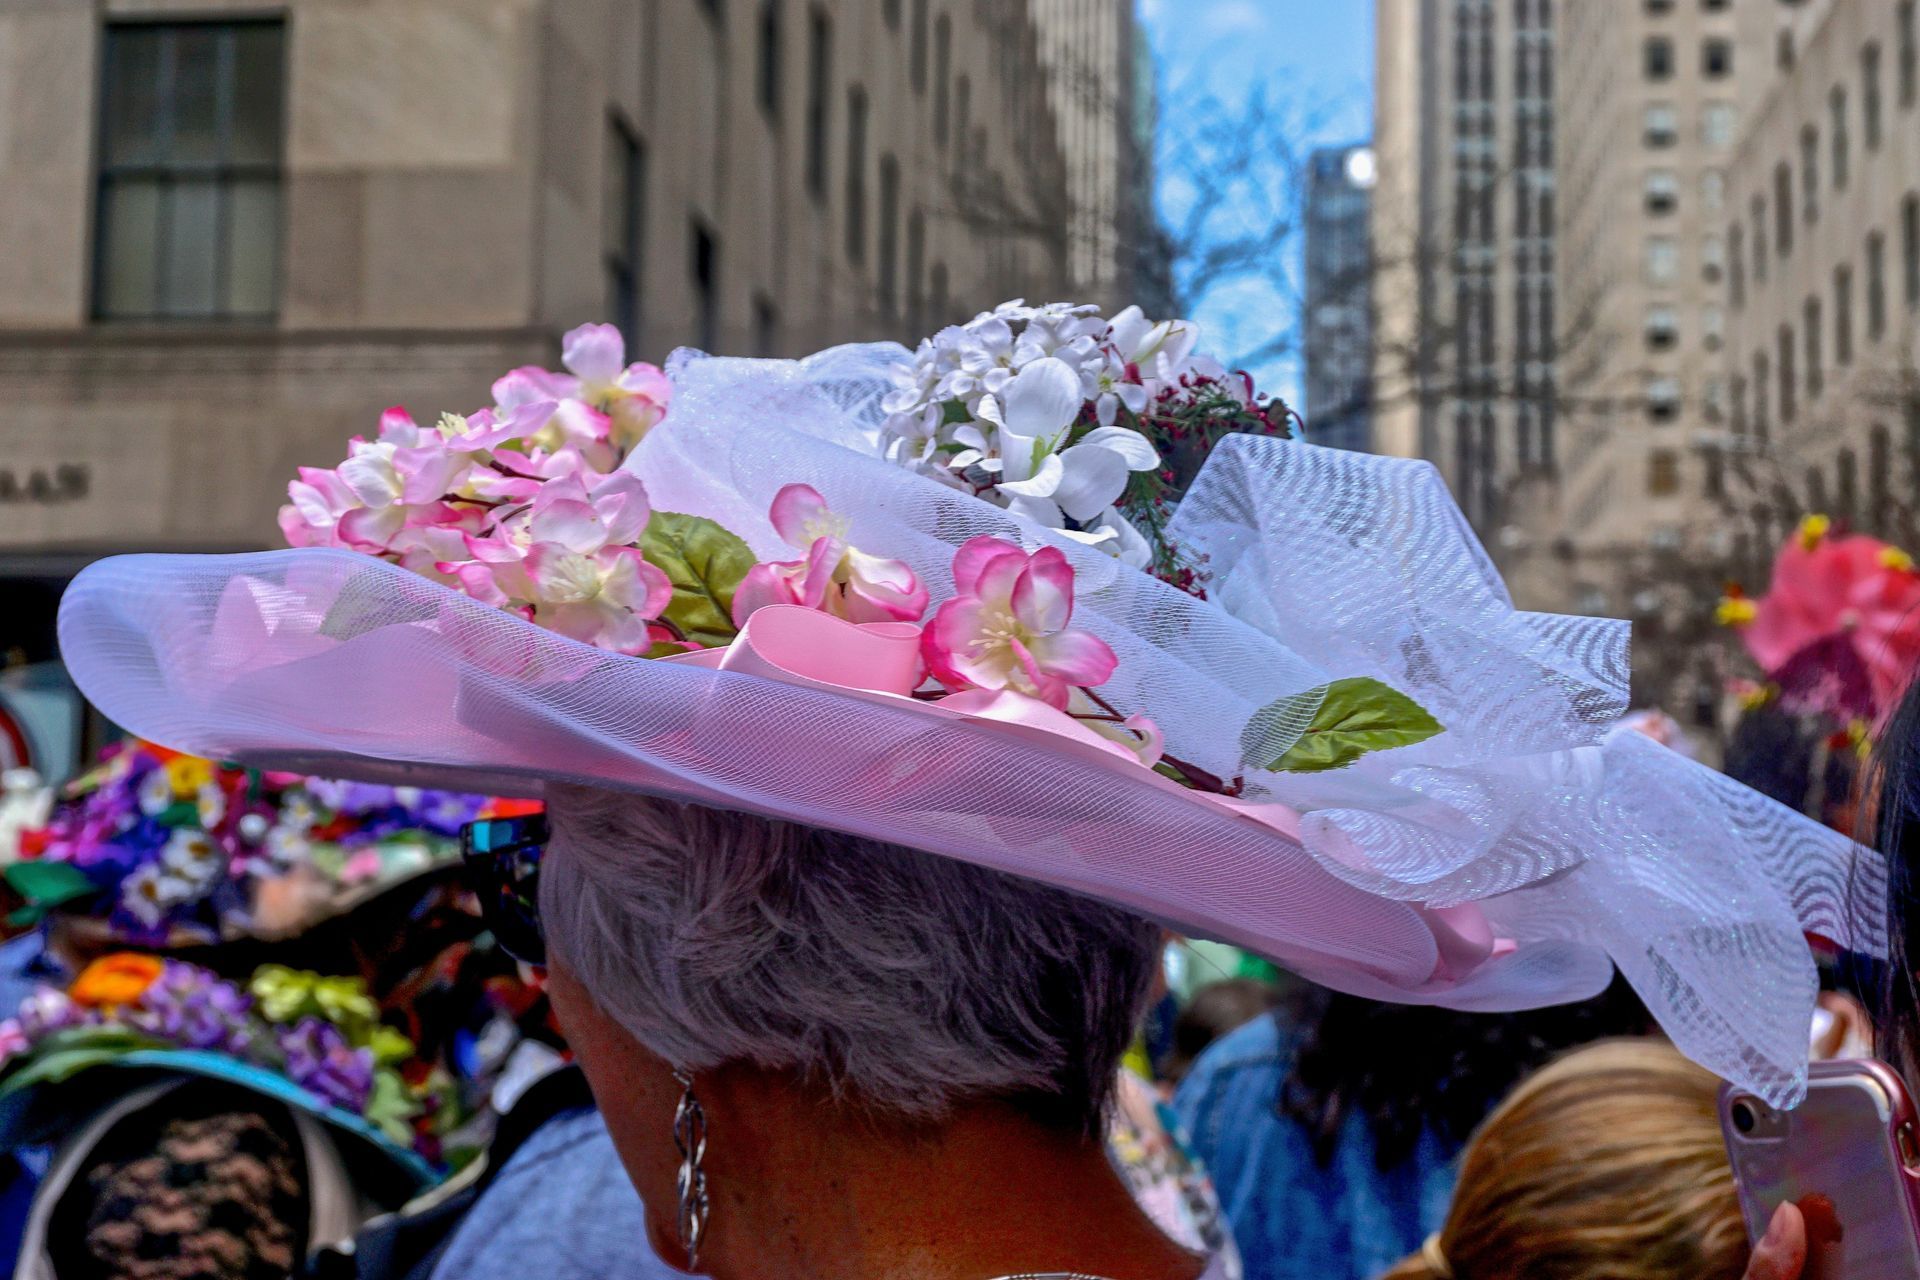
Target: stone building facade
{"points": [[1825, 290], [1464, 294], [236, 230], [1648, 115]]}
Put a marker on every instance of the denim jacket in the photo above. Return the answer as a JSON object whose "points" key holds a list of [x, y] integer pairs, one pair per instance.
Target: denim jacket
{"points": [[1292, 1216]]}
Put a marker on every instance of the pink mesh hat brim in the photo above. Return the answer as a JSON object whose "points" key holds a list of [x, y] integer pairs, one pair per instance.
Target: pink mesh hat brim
{"points": [[1511, 861]]}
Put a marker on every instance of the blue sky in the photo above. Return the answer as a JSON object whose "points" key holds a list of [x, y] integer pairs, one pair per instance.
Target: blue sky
{"points": [[1317, 56]]}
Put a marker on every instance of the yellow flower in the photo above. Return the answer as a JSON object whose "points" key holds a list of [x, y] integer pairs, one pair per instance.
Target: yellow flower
{"points": [[118, 979], [1895, 559], [188, 774], [1756, 696], [1812, 529], [1736, 611]]}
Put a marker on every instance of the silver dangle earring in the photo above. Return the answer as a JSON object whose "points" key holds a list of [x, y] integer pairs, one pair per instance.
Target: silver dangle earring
{"points": [[690, 1138]]}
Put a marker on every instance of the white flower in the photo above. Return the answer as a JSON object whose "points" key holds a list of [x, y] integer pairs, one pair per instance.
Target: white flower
{"points": [[1041, 479]]}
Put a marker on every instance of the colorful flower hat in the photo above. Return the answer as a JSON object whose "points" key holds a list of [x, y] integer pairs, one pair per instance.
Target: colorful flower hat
{"points": [[902, 594], [1838, 633], [170, 849]]}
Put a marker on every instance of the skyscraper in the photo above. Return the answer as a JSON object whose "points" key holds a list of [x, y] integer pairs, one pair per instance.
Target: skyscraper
{"points": [[1338, 321], [1463, 243]]}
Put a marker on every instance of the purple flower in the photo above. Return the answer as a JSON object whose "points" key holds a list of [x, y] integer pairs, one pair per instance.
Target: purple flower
{"points": [[48, 1010], [320, 1060], [191, 1007]]}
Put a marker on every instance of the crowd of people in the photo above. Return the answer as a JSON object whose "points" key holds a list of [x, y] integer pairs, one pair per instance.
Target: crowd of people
{"points": [[993, 810]]}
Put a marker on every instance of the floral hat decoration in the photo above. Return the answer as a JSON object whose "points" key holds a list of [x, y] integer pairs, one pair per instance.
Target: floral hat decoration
{"points": [[1837, 635], [166, 848], [959, 598]]}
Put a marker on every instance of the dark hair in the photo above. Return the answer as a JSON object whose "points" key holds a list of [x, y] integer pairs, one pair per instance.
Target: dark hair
{"points": [[1892, 797], [1217, 1008], [1772, 752], [1409, 1068]]}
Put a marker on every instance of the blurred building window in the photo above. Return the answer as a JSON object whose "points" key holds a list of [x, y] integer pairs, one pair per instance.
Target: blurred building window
{"points": [[890, 9], [1739, 404], [1659, 7], [1783, 209], [190, 168], [939, 298], [1910, 249], [1660, 127], [1659, 58], [1716, 58], [1663, 473], [1876, 286], [1663, 328], [1783, 49], [767, 79], [1713, 190], [1846, 486], [888, 274], [1909, 53], [1843, 316], [622, 222], [1663, 191], [1713, 258], [1784, 357], [1759, 210], [1810, 173], [1816, 343], [1879, 478], [819, 103], [1663, 397], [1762, 385], [942, 65], [1717, 121], [705, 270], [1737, 261], [1837, 129], [766, 327], [1870, 95], [1713, 327], [856, 197], [1663, 260], [917, 48], [962, 118]]}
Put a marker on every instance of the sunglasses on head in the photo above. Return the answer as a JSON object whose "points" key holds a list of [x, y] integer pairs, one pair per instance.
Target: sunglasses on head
{"points": [[502, 858]]}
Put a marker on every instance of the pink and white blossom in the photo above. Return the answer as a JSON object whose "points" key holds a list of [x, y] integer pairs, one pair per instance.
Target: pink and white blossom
{"points": [[834, 576], [1008, 626]]}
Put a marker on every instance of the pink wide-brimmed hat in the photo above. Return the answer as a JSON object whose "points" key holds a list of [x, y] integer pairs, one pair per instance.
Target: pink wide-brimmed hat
{"points": [[1353, 755]]}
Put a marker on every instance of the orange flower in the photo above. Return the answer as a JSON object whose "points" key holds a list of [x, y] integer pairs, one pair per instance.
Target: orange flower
{"points": [[118, 979]]}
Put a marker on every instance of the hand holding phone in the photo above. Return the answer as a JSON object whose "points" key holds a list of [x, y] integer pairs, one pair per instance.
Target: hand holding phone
{"points": [[1847, 1158]]}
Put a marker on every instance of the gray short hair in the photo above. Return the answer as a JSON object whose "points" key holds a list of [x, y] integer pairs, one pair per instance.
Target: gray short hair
{"points": [[902, 980]]}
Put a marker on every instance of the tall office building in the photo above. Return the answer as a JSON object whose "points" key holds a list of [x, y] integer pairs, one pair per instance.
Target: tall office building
{"points": [[1824, 238], [1463, 243], [234, 232], [1100, 87], [1646, 126], [1338, 320]]}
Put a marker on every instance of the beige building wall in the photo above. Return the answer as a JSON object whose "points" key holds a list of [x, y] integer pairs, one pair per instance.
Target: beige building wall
{"points": [[1463, 249], [449, 206], [1646, 124], [1825, 325], [1088, 48]]}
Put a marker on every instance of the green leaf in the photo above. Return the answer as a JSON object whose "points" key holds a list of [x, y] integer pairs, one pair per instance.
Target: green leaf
{"points": [[1343, 721], [46, 885], [391, 1107], [705, 564], [67, 1054]]}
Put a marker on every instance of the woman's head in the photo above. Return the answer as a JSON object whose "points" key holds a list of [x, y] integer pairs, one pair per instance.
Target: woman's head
{"points": [[1608, 1163], [902, 982], [1892, 798]]}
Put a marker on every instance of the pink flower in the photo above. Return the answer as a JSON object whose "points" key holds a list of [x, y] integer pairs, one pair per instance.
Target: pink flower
{"points": [[631, 398], [13, 1040], [835, 577], [1007, 627], [568, 563]]}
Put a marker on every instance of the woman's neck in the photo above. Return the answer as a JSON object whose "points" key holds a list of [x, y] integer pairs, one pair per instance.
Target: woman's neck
{"points": [[814, 1193]]}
